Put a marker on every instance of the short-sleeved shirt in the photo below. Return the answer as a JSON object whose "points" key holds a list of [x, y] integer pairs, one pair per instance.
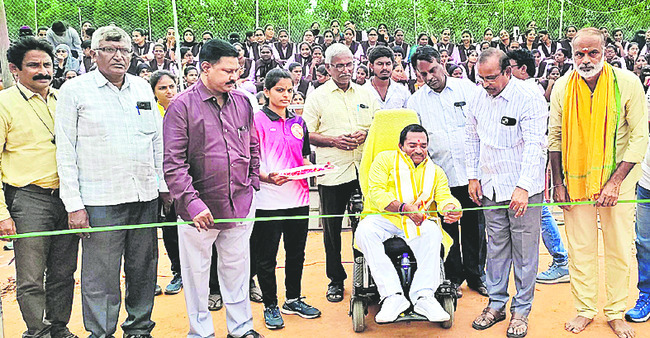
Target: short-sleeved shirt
{"points": [[283, 143]]}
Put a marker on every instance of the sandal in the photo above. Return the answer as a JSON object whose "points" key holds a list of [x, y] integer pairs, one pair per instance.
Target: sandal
{"points": [[490, 316], [215, 303], [335, 293], [248, 334], [517, 321]]}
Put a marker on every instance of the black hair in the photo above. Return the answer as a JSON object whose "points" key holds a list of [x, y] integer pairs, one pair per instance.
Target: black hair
{"points": [[16, 52], [617, 30], [504, 61], [233, 38], [157, 75], [372, 29], [536, 52], [564, 51], [398, 30], [322, 70], [550, 69], [90, 31], [528, 31], [328, 31], [468, 33], [424, 53], [191, 31], [420, 37], [379, 52], [267, 26], [297, 93], [213, 50], [412, 128], [398, 49], [249, 34], [85, 44], [333, 21], [483, 43], [140, 30], [315, 47], [184, 51], [283, 31], [543, 31], [293, 66], [566, 29], [209, 33], [59, 27], [41, 29], [382, 24], [349, 29], [523, 57], [25, 31], [365, 69], [273, 77], [142, 67], [488, 29], [188, 68]]}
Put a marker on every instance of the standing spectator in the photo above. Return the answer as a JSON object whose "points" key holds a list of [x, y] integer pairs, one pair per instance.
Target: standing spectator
{"points": [[303, 56], [338, 115], [214, 175], [283, 49], [399, 41], [264, 65], [601, 168], [443, 98], [281, 197], [160, 62], [61, 33], [315, 28], [30, 201], [546, 46], [569, 34], [87, 31], [112, 113], [163, 84], [619, 42], [389, 94], [141, 47], [506, 126], [170, 44], [335, 27], [488, 36], [465, 47]]}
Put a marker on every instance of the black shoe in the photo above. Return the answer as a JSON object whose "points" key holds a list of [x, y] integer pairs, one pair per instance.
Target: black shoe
{"points": [[480, 288], [61, 332], [335, 293], [137, 335]]}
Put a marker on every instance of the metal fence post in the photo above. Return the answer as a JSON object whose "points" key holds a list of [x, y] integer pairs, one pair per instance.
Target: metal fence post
{"points": [[7, 79], [257, 13], [149, 17], [35, 18], [415, 23], [559, 33]]}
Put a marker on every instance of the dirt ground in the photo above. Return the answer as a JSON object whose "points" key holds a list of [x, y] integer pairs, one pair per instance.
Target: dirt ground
{"points": [[551, 308]]}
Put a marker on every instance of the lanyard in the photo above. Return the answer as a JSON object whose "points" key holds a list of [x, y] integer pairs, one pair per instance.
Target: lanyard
{"points": [[37, 115]]}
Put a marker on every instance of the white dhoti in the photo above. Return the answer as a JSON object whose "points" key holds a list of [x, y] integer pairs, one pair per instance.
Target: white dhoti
{"points": [[233, 248], [370, 235]]}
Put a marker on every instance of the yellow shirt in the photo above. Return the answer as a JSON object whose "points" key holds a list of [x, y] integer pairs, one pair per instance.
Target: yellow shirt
{"points": [[26, 134], [330, 111], [632, 131], [161, 109], [382, 190]]}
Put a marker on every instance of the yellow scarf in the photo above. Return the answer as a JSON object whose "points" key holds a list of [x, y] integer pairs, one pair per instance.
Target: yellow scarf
{"points": [[589, 134], [412, 191]]}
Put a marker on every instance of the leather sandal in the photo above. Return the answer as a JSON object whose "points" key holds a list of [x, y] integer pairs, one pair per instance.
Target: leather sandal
{"points": [[517, 321], [490, 316]]}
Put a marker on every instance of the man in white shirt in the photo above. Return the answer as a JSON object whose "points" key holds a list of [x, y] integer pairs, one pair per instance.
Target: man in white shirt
{"points": [[441, 106], [390, 94], [506, 126], [109, 156]]}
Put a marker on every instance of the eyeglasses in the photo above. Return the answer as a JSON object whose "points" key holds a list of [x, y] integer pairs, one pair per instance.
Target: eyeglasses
{"points": [[491, 78], [113, 50], [341, 66]]}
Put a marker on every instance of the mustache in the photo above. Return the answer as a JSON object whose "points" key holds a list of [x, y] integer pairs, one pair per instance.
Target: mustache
{"points": [[230, 83], [42, 77]]}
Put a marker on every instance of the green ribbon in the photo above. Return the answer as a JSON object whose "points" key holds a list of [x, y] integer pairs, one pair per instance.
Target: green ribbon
{"points": [[276, 218]]}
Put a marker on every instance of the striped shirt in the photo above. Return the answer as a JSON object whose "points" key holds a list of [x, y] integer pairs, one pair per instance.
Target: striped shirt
{"points": [[109, 142], [443, 116], [505, 144]]}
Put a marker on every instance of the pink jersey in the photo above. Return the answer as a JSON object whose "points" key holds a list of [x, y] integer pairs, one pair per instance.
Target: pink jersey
{"points": [[283, 143]]}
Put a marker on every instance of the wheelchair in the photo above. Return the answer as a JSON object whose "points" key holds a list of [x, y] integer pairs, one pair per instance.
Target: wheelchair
{"points": [[364, 290]]}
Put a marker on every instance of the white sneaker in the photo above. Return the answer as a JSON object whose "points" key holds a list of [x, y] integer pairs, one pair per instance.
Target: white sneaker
{"points": [[392, 307], [430, 308]]}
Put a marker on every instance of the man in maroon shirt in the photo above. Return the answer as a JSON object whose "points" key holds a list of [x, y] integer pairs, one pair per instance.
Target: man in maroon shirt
{"points": [[211, 164]]}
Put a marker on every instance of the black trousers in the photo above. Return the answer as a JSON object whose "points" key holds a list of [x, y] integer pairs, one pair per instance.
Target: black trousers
{"points": [[170, 238], [265, 241], [333, 201], [466, 266]]}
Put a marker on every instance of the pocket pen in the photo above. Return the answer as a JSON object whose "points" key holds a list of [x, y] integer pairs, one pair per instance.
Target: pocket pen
{"points": [[137, 108]]}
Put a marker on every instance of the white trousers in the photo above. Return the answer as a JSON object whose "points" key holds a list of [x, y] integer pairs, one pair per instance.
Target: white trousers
{"points": [[233, 247], [374, 230]]}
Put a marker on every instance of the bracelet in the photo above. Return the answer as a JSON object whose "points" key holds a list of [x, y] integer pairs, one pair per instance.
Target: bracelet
{"points": [[401, 207]]}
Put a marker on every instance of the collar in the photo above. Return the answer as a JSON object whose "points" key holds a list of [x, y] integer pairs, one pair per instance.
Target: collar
{"points": [[428, 89], [331, 86], [507, 92], [101, 80], [28, 94], [275, 117], [205, 94]]}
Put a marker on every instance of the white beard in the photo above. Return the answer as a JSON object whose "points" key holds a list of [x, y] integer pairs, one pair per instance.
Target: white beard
{"points": [[595, 71]]}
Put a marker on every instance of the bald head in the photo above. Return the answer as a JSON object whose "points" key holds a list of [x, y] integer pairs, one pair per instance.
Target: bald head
{"points": [[494, 70], [494, 55]]}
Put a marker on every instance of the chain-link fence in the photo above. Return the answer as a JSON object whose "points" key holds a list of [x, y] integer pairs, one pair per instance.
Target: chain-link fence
{"points": [[414, 16]]}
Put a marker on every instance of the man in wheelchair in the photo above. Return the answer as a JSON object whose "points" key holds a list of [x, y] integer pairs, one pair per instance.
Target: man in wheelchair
{"points": [[406, 180]]}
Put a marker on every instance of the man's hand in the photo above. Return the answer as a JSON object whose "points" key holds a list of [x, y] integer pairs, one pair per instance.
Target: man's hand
{"points": [[519, 201], [79, 220], [7, 228], [451, 216], [475, 191], [167, 201], [360, 136], [609, 195], [345, 142], [413, 214], [561, 195], [277, 179], [203, 220]]}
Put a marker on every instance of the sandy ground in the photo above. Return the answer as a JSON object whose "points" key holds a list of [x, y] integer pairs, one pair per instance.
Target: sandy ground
{"points": [[551, 308]]}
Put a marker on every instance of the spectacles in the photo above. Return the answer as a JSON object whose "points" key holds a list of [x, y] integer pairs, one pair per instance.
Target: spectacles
{"points": [[113, 50], [341, 66], [491, 78]]}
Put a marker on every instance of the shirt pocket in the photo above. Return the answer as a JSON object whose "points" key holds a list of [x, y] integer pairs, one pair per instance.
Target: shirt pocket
{"points": [[146, 121], [508, 136]]}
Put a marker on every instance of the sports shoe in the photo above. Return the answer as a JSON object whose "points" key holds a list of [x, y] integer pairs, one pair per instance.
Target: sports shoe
{"points": [[641, 311], [158, 291], [300, 308], [175, 285], [255, 292], [9, 246], [273, 318], [556, 273], [430, 308], [391, 308]]}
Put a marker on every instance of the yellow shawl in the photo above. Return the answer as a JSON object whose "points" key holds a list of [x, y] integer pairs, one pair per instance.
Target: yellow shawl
{"points": [[589, 134]]}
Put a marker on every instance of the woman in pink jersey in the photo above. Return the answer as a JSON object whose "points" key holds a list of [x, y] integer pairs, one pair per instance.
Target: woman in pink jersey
{"points": [[284, 144]]}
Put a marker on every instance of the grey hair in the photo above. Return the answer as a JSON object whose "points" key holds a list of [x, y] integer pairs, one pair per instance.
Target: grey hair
{"points": [[492, 52], [335, 50], [109, 33]]}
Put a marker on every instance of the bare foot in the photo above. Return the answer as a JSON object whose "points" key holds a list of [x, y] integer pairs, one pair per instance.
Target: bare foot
{"points": [[621, 328], [577, 324]]}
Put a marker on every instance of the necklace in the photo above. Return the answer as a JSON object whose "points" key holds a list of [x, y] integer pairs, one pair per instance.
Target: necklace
{"points": [[39, 117]]}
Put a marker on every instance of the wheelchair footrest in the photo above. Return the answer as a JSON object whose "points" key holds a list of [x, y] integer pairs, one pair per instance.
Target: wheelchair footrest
{"points": [[408, 316]]}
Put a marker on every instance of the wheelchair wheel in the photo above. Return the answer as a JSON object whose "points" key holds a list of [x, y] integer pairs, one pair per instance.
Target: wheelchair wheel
{"points": [[448, 305], [358, 316]]}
